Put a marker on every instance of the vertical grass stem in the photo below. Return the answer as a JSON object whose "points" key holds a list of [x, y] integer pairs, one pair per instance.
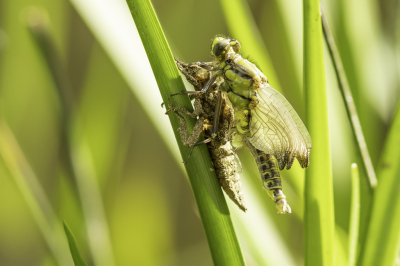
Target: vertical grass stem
{"points": [[318, 193]]}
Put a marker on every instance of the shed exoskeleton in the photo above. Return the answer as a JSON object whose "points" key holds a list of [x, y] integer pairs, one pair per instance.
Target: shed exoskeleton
{"points": [[222, 153]]}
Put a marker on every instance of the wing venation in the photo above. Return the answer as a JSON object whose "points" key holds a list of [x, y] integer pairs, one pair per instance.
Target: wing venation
{"points": [[277, 129]]}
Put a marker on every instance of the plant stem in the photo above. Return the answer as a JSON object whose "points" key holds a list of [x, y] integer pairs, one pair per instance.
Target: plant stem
{"points": [[319, 211], [383, 235], [214, 212], [354, 215], [349, 102], [73, 246]]}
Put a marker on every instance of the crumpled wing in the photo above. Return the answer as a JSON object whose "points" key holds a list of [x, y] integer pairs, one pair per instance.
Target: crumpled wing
{"points": [[276, 128]]}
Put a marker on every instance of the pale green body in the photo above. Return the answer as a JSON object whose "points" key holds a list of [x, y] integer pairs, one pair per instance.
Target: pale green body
{"points": [[264, 121], [241, 84]]}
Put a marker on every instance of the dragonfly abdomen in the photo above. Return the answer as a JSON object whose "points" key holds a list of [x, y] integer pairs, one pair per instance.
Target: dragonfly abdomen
{"points": [[268, 169], [269, 172]]}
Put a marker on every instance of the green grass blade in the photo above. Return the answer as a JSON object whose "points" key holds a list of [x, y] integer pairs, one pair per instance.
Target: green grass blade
{"points": [[384, 231], [78, 160], [354, 215], [214, 213], [349, 103], [341, 246], [73, 247], [319, 213], [33, 193], [39, 28], [350, 97]]}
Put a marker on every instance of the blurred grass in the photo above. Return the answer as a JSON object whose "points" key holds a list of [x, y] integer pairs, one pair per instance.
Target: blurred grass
{"points": [[77, 158], [384, 232], [242, 27], [349, 102], [354, 215], [148, 203], [76, 256], [33, 193]]}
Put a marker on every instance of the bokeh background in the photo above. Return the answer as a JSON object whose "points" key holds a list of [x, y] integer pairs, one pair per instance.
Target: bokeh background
{"points": [[124, 194]]}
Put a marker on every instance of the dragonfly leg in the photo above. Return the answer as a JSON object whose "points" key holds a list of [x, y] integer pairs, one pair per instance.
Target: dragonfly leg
{"points": [[203, 90], [197, 144], [184, 92], [207, 65], [190, 141], [217, 114], [198, 110]]}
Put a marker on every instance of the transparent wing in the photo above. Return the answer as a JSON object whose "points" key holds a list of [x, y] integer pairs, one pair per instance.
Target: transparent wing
{"points": [[277, 129]]}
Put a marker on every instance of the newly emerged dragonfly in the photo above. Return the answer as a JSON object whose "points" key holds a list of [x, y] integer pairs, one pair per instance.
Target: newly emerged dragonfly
{"points": [[265, 122], [220, 146]]}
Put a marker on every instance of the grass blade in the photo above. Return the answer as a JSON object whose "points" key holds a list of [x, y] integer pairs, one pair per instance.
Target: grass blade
{"points": [[349, 102], [73, 247], [33, 193], [214, 213], [319, 213], [78, 159], [354, 215], [384, 231]]}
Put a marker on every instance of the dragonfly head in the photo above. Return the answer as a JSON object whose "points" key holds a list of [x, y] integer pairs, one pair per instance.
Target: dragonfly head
{"points": [[222, 47]]}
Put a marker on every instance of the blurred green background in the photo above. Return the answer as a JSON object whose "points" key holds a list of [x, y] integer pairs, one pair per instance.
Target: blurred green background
{"points": [[125, 195]]}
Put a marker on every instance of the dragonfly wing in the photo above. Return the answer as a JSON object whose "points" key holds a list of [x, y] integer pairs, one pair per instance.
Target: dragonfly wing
{"points": [[277, 129]]}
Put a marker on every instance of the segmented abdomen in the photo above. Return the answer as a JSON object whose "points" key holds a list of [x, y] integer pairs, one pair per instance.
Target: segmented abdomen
{"points": [[227, 172], [269, 172]]}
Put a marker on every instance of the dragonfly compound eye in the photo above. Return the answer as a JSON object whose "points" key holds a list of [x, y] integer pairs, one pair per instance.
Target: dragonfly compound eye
{"points": [[219, 47]]}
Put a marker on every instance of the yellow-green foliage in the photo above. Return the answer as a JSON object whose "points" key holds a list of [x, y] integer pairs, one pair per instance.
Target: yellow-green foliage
{"points": [[83, 137]]}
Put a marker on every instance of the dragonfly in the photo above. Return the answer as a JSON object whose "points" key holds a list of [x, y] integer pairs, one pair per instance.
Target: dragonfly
{"points": [[221, 150], [265, 122]]}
